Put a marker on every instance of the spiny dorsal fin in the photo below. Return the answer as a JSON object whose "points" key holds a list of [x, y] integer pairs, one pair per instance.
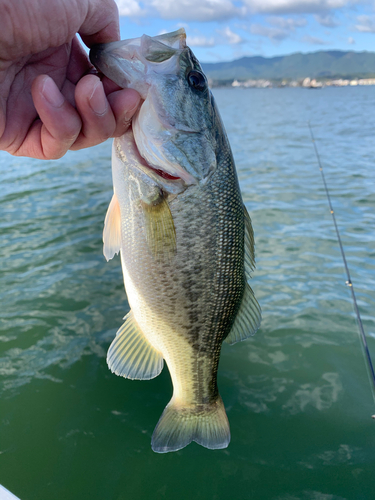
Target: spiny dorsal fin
{"points": [[131, 355], [249, 245], [112, 229], [247, 320], [160, 230]]}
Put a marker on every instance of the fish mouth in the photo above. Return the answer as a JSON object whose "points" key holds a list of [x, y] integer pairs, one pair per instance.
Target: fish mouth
{"points": [[161, 166], [163, 174], [158, 171], [128, 152]]}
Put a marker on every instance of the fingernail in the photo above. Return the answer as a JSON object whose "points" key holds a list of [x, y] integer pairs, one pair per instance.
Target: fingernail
{"points": [[51, 93], [98, 101]]}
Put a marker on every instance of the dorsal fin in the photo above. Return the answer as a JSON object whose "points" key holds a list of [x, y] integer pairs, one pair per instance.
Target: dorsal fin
{"points": [[249, 314], [249, 245], [248, 318], [112, 229]]}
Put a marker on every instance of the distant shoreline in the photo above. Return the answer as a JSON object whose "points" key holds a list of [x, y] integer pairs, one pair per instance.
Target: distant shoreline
{"points": [[318, 69], [311, 83]]}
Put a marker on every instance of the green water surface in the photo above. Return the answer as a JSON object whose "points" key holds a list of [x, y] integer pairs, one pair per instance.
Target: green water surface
{"points": [[297, 394]]}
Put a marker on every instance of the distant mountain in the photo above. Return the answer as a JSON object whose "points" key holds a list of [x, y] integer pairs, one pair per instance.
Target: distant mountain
{"points": [[322, 64]]}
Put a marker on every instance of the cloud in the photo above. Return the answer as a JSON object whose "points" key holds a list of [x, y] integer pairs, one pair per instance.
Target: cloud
{"points": [[314, 40], [366, 24], [327, 20], [295, 6], [221, 10], [287, 23], [280, 28], [351, 40], [197, 10], [200, 41], [275, 34], [229, 36], [224, 36], [129, 8]]}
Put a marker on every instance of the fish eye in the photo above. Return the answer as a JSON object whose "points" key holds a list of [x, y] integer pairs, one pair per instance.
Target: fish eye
{"points": [[196, 80]]}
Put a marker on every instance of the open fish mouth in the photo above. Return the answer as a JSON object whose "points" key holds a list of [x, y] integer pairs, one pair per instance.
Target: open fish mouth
{"points": [[127, 151], [159, 171], [164, 175]]}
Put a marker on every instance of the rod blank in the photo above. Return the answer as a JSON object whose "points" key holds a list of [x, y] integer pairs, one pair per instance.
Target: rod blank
{"points": [[349, 281]]}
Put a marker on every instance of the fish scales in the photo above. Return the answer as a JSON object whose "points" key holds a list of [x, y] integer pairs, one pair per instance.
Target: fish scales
{"points": [[191, 294], [178, 219]]}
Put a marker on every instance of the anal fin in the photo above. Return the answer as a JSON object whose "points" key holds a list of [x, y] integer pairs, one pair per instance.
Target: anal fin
{"points": [[131, 355], [248, 318]]}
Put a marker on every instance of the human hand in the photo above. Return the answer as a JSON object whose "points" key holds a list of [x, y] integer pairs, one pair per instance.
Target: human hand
{"points": [[48, 101]]}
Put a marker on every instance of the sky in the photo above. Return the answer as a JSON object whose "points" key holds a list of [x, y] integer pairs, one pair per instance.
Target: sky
{"points": [[223, 30]]}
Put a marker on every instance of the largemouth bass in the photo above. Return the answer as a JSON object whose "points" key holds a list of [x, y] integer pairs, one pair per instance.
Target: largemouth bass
{"points": [[185, 238]]}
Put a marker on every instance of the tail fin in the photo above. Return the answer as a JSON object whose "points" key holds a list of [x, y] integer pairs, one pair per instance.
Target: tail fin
{"points": [[179, 425]]}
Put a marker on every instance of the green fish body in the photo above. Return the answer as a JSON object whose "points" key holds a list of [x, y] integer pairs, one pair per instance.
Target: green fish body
{"points": [[184, 235]]}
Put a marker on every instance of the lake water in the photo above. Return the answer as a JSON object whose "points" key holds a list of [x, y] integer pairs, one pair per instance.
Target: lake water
{"points": [[297, 394]]}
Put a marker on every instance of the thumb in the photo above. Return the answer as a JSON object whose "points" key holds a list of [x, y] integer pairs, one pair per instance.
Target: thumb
{"points": [[101, 24]]}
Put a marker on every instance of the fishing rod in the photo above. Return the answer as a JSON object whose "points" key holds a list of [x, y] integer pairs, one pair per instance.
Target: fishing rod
{"points": [[349, 282]]}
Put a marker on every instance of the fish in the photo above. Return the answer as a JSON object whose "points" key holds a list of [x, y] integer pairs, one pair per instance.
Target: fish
{"points": [[183, 233]]}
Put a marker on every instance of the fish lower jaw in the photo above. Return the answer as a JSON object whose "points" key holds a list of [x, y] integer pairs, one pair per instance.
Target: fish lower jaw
{"points": [[129, 153]]}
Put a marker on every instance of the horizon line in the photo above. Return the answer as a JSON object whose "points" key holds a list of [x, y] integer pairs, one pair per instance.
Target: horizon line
{"points": [[290, 54]]}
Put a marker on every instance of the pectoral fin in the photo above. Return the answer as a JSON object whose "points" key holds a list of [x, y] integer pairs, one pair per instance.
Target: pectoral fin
{"points": [[160, 230], [247, 320], [131, 355], [112, 229]]}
